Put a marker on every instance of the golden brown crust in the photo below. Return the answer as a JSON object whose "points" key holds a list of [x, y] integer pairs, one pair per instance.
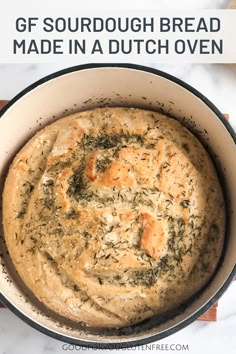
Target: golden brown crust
{"points": [[113, 215], [153, 238]]}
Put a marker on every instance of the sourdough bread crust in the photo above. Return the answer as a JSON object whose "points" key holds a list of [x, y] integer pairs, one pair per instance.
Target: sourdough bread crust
{"points": [[113, 215]]}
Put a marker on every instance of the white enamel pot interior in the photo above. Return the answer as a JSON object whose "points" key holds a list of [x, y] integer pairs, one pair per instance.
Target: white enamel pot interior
{"points": [[89, 86]]}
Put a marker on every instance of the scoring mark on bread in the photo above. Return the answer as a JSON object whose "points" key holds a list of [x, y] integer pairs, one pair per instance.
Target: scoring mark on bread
{"points": [[69, 281]]}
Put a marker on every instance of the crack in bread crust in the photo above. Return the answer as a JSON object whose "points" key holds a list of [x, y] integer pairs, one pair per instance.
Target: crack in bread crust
{"points": [[82, 295], [128, 207]]}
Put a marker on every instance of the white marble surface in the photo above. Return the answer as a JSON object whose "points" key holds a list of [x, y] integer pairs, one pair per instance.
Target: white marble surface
{"points": [[218, 83]]}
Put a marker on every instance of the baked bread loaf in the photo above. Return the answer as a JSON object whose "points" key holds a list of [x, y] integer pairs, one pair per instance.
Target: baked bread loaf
{"points": [[232, 4], [113, 215]]}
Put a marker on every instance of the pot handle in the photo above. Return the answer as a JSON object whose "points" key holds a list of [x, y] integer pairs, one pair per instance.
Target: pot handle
{"points": [[3, 103]]}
